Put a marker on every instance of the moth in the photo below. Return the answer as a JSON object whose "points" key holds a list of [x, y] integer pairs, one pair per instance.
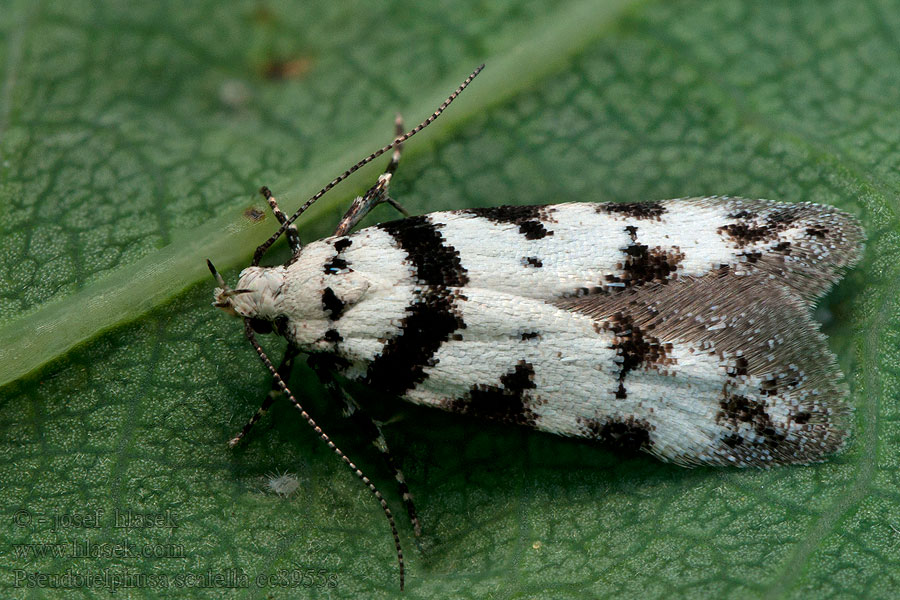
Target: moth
{"points": [[681, 328]]}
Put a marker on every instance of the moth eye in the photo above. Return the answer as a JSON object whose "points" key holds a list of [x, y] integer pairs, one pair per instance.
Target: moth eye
{"points": [[261, 326]]}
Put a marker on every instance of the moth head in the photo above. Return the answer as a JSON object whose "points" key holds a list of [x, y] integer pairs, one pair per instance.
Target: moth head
{"points": [[255, 297]]}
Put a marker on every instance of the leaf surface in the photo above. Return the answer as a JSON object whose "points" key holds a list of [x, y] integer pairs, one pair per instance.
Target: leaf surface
{"points": [[132, 139]]}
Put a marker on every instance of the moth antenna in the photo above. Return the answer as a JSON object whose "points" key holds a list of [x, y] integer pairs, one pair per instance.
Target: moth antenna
{"points": [[215, 273], [257, 256], [248, 330]]}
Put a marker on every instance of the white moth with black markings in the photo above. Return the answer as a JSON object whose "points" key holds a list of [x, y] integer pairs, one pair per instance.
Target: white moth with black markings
{"points": [[681, 328]]}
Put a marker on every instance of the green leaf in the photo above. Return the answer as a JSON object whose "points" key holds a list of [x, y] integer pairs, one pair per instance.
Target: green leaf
{"points": [[132, 139]]}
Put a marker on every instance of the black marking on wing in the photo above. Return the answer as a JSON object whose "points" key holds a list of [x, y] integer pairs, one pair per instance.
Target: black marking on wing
{"points": [[628, 434], [780, 382], [783, 248], [643, 264], [818, 231], [802, 417], [635, 210], [739, 368], [332, 336], [331, 304], [506, 403], [432, 318], [736, 409], [435, 262], [530, 219], [429, 322], [749, 230], [635, 347], [532, 261], [335, 265], [733, 440]]}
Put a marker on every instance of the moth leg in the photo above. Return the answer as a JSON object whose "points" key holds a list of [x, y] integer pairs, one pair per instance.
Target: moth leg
{"points": [[396, 205], [284, 371], [376, 194], [371, 429], [292, 236], [381, 444]]}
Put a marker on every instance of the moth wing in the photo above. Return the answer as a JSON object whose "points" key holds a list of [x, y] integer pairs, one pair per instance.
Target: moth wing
{"points": [[776, 396], [804, 246], [551, 251]]}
